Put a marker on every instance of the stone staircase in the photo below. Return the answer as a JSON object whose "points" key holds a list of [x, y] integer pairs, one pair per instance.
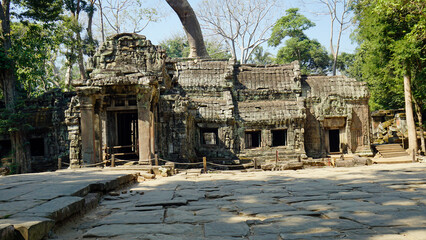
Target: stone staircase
{"points": [[391, 153]]}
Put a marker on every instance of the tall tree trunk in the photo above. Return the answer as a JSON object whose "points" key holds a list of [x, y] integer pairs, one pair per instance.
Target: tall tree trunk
{"points": [[412, 134], [80, 59], [68, 76], [20, 149], [101, 18], [192, 27], [420, 120], [90, 13]]}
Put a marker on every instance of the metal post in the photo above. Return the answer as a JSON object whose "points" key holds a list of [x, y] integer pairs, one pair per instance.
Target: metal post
{"points": [[113, 160], [205, 164], [156, 160], [59, 163]]}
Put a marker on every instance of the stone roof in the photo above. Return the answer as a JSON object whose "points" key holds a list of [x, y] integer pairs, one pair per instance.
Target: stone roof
{"points": [[325, 86], [276, 77], [274, 110], [204, 73]]}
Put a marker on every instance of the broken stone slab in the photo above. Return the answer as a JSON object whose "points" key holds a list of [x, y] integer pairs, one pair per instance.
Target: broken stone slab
{"points": [[133, 217], [113, 230], [112, 184], [318, 235], [173, 202], [57, 209], [147, 175], [223, 229], [140, 209], [13, 207], [30, 228], [7, 232]]}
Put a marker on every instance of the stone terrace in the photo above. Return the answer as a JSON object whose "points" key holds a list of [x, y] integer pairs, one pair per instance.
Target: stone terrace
{"points": [[374, 202]]}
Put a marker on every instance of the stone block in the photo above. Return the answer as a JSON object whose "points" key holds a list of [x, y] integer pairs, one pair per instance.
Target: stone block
{"points": [[30, 228], [7, 232], [58, 209]]}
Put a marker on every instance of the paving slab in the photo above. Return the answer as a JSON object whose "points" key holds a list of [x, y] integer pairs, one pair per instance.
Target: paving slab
{"points": [[366, 202], [33, 203], [223, 229]]}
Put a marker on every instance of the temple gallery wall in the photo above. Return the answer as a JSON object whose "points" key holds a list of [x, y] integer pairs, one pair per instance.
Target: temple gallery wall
{"points": [[137, 103]]}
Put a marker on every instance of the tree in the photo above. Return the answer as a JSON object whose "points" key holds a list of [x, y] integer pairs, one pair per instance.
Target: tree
{"points": [[178, 47], [29, 10], [34, 52], [76, 7], [339, 12], [311, 54], [346, 64], [126, 15], [242, 24], [191, 26], [261, 57], [393, 40]]}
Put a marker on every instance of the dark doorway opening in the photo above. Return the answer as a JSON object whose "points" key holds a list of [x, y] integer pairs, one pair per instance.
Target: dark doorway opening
{"points": [[209, 136], [5, 148], [279, 138], [127, 131], [334, 140], [37, 147], [253, 139]]}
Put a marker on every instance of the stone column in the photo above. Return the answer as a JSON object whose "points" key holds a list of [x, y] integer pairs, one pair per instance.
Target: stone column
{"points": [[87, 130], [103, 129], [152, 134], [144, 130]]}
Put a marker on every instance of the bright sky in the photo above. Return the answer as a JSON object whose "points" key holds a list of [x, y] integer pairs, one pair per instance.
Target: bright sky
{"points": [[170, 24]]}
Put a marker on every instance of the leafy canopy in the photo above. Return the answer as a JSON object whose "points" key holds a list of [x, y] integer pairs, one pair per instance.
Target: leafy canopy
{"points": [[311, 55], [392, 41]]}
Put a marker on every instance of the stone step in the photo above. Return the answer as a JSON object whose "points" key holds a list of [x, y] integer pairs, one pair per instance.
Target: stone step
{"points": [[396, 154], [393, 160]]}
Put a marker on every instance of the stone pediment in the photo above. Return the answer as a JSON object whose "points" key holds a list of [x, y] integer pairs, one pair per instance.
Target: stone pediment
{"points": [[123, 59]]}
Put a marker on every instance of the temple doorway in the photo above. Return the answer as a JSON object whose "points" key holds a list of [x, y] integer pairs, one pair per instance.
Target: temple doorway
{"points": [[334, 140], [127, 131]]}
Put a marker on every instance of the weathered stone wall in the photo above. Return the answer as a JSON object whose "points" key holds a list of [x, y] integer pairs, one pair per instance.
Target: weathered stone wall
{"points": [[48, 135], [218, 108], [389, 126], [336, 103]]}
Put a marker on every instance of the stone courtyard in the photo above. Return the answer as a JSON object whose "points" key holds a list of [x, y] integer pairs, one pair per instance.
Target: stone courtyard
{"points": [[368, 202]]}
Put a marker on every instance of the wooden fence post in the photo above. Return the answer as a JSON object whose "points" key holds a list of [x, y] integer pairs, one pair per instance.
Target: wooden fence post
{"points": [[414, 155], [113, 160], [276, 158], [156, 160], [205, 164], [59, 163]]}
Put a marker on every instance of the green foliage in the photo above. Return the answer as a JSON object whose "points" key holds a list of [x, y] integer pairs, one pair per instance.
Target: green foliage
{"points": [[178, 47], [217, 50], [291, 25], [39, 10], [34, 46], [312, 56], [392, 41], [348, 65], [261, 57]]}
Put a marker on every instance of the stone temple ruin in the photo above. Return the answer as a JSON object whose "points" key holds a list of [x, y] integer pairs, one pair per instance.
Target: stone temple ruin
{"points": [[137, 103]]}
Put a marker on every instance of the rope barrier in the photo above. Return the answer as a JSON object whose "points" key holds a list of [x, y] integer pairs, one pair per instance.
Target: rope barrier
{"points": [[93, 165], [210, 163]]}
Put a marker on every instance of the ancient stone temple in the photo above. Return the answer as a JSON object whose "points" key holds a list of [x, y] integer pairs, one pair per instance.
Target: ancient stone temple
{"points": [[137, 103]]}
